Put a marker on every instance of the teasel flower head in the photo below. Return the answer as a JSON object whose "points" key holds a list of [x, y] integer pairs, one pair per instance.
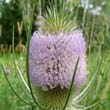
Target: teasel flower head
{"points": [[52, 62], [53, 58], [53, 55]]}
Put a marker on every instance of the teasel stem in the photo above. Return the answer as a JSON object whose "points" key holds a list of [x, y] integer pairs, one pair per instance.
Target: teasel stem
{"points": [[39, 17], [33, 108], [71, 86], [27, 67], [16, 67], [91, 35], [27, 71], [84, 14], [40, 8], [19, 74]]}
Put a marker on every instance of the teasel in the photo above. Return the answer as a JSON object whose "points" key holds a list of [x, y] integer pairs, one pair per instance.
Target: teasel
{"points": [[56, 62]]}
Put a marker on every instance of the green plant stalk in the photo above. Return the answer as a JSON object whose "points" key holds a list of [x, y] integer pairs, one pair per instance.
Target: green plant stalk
{"points": [[16, 67], [71, 86], [22, 78], [92, 33], [84, 14], [27, 64]]}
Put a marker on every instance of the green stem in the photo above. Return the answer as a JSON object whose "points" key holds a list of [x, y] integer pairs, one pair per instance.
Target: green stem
{"points": [[33, 107], [17, 68], [73, 78], [27, 67], [91, 35], [84, 14]]}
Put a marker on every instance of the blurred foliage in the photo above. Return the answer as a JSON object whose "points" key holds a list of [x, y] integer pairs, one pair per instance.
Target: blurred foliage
{"points": [[14, 12], [97, 25], [10, 16]]}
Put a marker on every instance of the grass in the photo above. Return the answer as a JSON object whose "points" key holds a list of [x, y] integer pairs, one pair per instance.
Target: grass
{"points": [[8, 100], [101, 88]]}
